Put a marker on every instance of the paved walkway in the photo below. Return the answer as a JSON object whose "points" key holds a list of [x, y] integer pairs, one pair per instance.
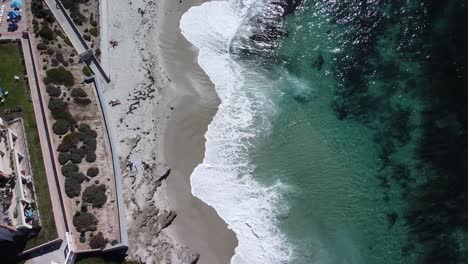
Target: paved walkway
{"points": [[77, 40], [55, 254], [44, 136]]}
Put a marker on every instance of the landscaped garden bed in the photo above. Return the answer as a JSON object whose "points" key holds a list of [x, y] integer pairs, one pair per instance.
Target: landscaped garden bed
{"points": [[80, 137]]}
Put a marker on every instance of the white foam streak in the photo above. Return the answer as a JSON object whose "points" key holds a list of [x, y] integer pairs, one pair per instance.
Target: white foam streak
{"points": [[224, 179]]}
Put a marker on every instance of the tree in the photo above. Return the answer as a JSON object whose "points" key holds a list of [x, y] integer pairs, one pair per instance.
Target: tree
{"points": [[72, 187], [63, 157], [41, 46], [75, 156], [78, 92], [90, 157], [59, 76], [98, 241], [53, 90], [46, 33], [92, 172], [61, 127], [56, 104], [95, 195], [78, 176], [84, 221], [68, 169], [82, 101]]}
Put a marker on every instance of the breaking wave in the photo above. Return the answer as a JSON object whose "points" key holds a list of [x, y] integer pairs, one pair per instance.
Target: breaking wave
{"points": [[224, 179]]}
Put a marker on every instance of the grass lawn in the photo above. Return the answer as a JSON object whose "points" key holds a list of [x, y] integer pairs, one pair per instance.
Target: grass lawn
{"points": [[10, 65]]}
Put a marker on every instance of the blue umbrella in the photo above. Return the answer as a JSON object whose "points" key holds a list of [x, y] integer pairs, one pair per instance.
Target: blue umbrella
{"points": [[16, 3]]}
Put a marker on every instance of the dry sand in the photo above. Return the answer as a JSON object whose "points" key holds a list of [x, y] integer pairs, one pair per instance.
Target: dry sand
{"points": [[166, 105]]}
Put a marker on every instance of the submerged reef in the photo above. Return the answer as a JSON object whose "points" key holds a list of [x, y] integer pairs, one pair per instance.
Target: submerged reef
{"points": [[418, 104]]}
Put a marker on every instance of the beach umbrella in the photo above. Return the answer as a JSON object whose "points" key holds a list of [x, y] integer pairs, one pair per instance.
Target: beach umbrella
{"points": [[16, 3]]}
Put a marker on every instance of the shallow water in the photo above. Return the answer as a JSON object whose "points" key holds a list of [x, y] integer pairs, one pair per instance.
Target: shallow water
{"points": [[341, 137]]}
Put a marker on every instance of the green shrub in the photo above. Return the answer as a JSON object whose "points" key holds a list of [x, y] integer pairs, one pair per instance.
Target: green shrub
{"points": [[82, 101], [41, 46], [72, 139], [63, 157], [50, 51], [78, 176], [63, 147], [72, 187], [54, 62], [98, 241], [94, 23], [95, 195], [59, 76], [90, 142], [90, 157], [68, 169], [75, 156], [61, 127], [94, 31], [85, 128], [84, 222], [92, 172], [77, 17], [82, 237], [53, 90], [86, 37], [78, 92], [46, 33], [56, 104], [59, 57], [87, 71]]}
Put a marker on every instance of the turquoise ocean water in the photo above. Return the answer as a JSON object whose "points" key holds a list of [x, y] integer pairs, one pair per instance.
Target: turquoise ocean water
{"points": [[356, 132]]}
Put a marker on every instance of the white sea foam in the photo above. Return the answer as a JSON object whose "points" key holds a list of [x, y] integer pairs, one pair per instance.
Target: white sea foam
{"points": [[224, 178]]}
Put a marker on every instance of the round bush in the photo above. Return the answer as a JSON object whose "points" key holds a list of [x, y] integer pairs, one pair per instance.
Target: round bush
{"points": [[78, 92], [75, 156], [63, 147], [72, 187], [68, 169], [56, 104], [84, 127], [90, 157], [82, 238], [92, 172], [61, 127], [78, 176], [82, 101], [95, 195], [41, 46], [53, 91], [90, 142], [63, 157], [98, 241], [72, 139], [84, 221], [59, 76]]}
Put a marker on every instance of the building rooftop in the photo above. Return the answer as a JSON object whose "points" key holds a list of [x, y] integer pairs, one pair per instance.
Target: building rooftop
{"points": [[17, 204]]}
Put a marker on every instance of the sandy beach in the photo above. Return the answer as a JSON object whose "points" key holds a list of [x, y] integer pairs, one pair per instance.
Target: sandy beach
{"points": [[165, 103]]}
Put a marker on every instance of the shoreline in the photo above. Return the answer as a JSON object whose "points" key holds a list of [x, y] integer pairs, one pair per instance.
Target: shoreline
{"points": [[182, 145], [166, 102]]}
